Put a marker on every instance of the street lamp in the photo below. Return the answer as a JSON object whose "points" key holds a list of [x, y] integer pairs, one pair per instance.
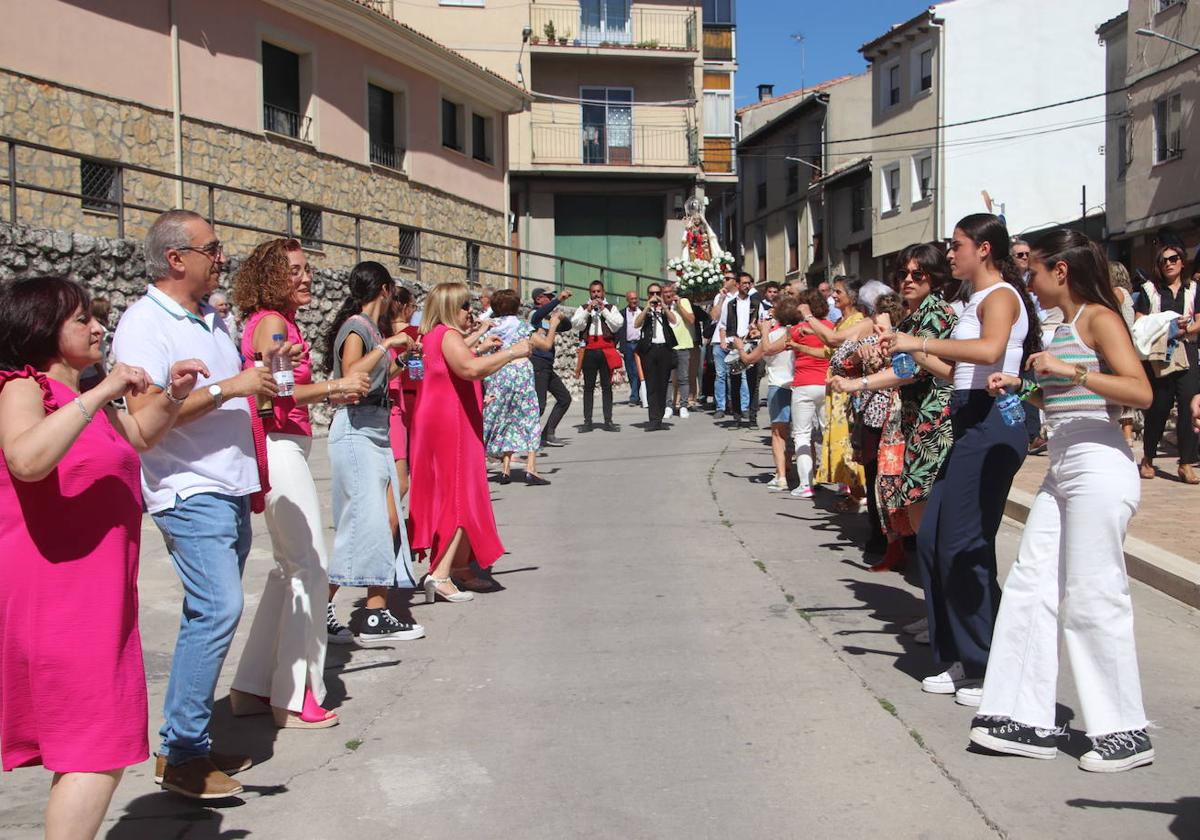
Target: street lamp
{"points": [[806, 163], [1150, 33]]}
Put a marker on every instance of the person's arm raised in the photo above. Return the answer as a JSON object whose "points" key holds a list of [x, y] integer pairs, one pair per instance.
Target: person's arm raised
{"points": [[466, 365], [997, 315]]}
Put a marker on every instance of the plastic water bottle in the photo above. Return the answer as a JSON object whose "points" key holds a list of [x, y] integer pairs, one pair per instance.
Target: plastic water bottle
{"points": [[281, 367], [416, 366], [904, 365], [1011, 408]]}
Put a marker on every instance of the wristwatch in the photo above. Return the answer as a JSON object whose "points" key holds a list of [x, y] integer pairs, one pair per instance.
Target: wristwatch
{"points": [[217, 394]]}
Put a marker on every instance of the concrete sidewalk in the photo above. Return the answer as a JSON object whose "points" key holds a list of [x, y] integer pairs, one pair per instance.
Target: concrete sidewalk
{"points": [[677, 654]]}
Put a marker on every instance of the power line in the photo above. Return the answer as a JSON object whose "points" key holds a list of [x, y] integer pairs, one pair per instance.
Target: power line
{"points": [[959, 124]]}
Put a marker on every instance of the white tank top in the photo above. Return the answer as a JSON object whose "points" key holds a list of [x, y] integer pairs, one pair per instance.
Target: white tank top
{"points": [[969, 376], [780, 367]]}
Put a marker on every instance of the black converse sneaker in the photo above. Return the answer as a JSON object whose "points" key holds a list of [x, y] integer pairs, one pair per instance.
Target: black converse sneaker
{"points": [[381, 626], [337, 633], [1118, 751], [1002, 735]]}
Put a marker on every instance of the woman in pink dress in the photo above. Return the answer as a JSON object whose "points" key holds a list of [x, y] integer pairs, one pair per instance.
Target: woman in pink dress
{"points": [[72, 702], [450, 506]]}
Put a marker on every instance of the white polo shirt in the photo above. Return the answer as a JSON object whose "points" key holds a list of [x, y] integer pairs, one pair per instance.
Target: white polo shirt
{"points": [[215, 453]]}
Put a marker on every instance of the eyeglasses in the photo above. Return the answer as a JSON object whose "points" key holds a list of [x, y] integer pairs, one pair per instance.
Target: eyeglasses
{"points": [[466, 307], [212, 250], [1021, 255], [917, 276], [1170, 259]]}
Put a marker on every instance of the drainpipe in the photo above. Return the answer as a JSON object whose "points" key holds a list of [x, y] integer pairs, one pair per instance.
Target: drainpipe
{"points": [[176, 105], [939, 146]]}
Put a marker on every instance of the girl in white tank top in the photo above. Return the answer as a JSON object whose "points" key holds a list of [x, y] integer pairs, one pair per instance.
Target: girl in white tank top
{"points": [[969, 376]]}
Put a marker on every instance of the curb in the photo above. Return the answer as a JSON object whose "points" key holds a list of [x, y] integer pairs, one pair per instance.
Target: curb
{"points": [[1162, 570]]}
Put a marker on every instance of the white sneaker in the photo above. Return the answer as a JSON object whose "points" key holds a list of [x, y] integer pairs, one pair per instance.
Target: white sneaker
{"points": [[802, 493], [916, 627], [969, 695], [922, 638], [667, 411], [777, 483], [949, 681], [683, 412]]}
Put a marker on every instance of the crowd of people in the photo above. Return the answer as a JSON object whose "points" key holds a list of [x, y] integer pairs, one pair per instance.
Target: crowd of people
{"points": [[915, 399]]}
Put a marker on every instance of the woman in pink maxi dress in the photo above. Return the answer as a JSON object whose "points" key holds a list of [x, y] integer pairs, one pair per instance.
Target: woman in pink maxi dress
{"points": [[449, 489]]}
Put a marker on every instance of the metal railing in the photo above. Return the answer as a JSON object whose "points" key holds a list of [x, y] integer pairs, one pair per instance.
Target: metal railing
{"points": [[387, 154], [413, 248], [647, 29], [614, 145], [288, 123]]}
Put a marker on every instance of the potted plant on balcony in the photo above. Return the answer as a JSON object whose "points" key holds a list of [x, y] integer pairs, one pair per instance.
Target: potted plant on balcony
{"points": [[565, 38], [549, 31]]}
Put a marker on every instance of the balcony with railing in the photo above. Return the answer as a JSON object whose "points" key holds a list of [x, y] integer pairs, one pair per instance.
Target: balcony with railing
{"points": [[288, 123], [604, 25], [614, 145], [387, 154]]}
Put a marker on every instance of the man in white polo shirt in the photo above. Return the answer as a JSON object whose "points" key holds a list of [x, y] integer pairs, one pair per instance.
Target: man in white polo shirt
{"points": [[197, 485]]}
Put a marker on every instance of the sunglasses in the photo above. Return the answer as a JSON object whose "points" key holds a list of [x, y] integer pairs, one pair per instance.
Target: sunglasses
{"points": [[1021, 255], [466, 307], [917, 276], [1170, 259]]}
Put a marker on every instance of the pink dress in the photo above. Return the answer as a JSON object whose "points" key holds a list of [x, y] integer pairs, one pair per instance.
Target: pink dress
{"points": [[449, 483], [72, 683]]}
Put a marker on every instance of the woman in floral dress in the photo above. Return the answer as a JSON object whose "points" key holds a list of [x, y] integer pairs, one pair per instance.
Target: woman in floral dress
{"points": [[511, 420]]}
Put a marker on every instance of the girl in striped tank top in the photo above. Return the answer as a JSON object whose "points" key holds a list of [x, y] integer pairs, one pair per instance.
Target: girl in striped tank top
{"points": [[1071, 564]]}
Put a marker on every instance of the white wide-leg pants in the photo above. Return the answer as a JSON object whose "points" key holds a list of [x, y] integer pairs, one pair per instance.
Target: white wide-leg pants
{"points": [[1071, 568], [286, 648]]}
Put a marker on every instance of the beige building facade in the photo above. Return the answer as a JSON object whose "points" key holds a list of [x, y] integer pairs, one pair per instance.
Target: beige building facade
{"points": [[1152, 148], [328, 105]]}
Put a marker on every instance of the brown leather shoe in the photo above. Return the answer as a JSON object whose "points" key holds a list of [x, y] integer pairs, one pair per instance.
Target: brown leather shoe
{"points": [[1188, 475], [227, 764], [1146, 469], [199, 779]]}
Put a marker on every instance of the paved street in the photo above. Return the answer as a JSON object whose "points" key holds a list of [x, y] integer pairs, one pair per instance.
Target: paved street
{"points": [[677, 654]]}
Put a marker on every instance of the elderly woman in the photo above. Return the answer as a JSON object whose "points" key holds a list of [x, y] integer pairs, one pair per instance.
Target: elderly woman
{"points": [[511, 421], [836, 464], [72, 698], [451, 509], [282, 669]]}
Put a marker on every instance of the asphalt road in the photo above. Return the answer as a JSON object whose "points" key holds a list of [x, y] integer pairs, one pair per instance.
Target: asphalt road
{"points": [[676, 654]]}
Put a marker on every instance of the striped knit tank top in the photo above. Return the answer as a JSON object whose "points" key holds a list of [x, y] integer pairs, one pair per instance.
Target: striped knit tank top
{"points": [[1063, 400]]}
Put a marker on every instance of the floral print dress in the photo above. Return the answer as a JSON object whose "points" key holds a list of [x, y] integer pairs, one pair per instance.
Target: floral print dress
{"points": [[511, 420], [924, 410]]}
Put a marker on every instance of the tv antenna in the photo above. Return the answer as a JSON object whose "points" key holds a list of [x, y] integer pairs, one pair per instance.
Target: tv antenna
{"points": [[799, 38]]}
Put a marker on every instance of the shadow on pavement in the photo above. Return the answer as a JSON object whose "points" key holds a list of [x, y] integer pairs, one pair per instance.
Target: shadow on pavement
{"points": [[163, 814], [1186, 811]]}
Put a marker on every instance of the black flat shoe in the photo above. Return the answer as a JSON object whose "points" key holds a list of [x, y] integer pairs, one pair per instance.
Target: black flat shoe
{"points": [[504, 478], [534, 480], [611, 427]]}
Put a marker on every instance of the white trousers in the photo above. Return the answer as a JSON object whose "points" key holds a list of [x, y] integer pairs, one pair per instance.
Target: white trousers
{"points": [[1071, 569], [286, 648], [807, 401]]}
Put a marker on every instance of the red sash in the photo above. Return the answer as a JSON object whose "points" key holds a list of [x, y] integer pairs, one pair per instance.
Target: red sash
{"points": [[608, 348]]}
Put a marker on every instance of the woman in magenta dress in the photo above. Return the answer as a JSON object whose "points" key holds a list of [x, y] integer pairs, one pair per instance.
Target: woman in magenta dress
{"points": [[73, 702], [450, 506]]}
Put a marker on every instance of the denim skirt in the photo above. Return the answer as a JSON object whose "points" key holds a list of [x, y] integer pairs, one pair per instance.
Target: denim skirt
{"points": [[360, 455], [779, 404]]}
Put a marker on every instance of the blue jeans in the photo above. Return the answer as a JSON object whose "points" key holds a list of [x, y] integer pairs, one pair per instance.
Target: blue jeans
{"points": [[721, 381], [629, 353], [208, 536]]}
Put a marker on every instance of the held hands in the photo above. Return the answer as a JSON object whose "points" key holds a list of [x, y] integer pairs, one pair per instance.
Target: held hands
{"points": [[400, 340], [521, 350], [125, 380], [842, 385], [563, 295], [805, 311], [998, 382], [350, 389], [898, 342], [488, 345], [252, 382], [184, 373], [1047, 364]]}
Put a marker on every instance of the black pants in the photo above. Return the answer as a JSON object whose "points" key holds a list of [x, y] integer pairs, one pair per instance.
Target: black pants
{"points": [[1173, 389], [870, 438], [545, 379], [595, 364], [735, 388], [657, 362]]}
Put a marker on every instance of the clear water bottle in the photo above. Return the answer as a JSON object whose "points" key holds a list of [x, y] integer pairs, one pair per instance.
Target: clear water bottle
{"points": [[416, 366], [281, 367], [1011, 408], [904, 365]]}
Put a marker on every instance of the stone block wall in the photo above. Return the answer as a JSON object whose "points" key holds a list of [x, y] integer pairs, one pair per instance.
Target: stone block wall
{"points": [[128, 132]]}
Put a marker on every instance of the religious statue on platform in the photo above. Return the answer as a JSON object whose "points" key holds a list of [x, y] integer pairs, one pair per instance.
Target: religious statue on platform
{"points": [[702, 262]]}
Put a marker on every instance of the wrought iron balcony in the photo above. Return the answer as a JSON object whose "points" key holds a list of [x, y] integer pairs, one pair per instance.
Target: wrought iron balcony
{"points": [[289, 123], [592, 24], [387, 154]]}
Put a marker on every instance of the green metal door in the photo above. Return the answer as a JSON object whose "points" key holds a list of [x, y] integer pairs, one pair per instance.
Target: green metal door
{"points": [[620, 232]]}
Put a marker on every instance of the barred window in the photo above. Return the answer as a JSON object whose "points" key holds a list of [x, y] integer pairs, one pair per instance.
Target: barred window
{"points": [[99, 185], [311, 234]]}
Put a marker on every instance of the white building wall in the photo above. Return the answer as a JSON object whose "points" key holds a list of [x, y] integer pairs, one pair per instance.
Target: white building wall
{"points": [[1007, 55]]}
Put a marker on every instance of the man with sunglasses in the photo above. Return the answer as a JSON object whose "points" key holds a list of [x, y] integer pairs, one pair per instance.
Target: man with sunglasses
{"points": [[196, 483]]}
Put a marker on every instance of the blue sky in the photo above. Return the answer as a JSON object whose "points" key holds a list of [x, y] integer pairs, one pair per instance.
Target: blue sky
{"points": [[833, 33]]}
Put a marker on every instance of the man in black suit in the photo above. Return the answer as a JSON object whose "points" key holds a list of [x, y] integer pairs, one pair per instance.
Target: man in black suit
{"points": [[656, 347], [740, 314], [627, 341]]}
